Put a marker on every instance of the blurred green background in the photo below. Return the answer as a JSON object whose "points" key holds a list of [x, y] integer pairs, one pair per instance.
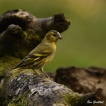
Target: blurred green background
{"points": [[84, 43]]}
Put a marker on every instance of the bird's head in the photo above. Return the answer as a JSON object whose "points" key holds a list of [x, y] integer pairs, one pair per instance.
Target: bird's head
{"points": [[53, 36]]}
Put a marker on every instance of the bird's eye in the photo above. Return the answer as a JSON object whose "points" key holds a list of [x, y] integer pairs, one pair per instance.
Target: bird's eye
{"points": [[54, 34]]}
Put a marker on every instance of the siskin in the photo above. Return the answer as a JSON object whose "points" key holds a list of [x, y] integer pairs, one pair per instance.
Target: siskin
{"points": [[42, 54]]}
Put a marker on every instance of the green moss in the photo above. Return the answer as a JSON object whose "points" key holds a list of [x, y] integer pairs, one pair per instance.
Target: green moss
{"points": [[59, 104], [18, 71], [19, 101], [72, 99], [1, 98], [7, 63], [29, 35]]}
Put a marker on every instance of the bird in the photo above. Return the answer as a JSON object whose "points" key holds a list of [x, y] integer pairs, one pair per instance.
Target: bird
{"points": [[42, 54]]}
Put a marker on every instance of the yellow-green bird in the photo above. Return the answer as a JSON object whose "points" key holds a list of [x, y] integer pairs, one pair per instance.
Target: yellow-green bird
{"points": [[42, 54]]}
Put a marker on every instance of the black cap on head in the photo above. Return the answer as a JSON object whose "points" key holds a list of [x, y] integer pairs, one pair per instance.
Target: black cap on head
{"points": [[56, 33]]}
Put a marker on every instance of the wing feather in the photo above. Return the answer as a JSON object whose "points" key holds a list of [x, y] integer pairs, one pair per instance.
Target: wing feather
{"points": [[36, 55]]}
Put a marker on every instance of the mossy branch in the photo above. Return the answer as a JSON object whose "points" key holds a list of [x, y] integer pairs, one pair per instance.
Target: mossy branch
{"points": [[31, 90]]}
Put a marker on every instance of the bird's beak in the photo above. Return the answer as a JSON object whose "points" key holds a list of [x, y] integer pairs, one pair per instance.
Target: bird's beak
{"points": [[59, 36]]}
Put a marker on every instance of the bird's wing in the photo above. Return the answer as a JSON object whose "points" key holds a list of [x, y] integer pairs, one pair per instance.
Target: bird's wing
{"points": [[35, 55], [25, 62], [31, 59]]}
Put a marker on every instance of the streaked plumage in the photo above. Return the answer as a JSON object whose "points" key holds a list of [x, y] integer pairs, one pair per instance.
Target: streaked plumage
{"points": [[42, 54]]}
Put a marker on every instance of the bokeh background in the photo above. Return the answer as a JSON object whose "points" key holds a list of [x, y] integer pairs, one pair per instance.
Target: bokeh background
{"points": [[84, 43]]}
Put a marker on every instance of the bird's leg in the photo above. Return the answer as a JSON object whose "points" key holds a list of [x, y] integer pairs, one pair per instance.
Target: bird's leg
{"points": [[44, 72], [36, 72]]}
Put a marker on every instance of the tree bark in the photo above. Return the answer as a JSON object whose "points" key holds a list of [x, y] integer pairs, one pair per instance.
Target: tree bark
{"points": [[20, 32]]}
